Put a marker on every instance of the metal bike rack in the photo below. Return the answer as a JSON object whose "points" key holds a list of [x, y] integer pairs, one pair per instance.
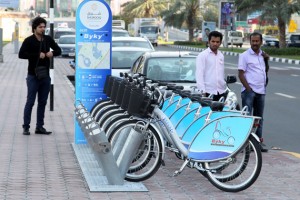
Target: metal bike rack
{"points": [[114, 167]]}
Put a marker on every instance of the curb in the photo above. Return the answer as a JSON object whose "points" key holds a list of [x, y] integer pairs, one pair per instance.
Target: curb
{"points": [[274, 59]]}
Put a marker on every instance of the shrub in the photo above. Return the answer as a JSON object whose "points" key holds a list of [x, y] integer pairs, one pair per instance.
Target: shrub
{"points": [[282, 51]]}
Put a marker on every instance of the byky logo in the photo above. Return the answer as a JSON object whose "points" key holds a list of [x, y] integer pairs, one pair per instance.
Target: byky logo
{"points": [[222, 137]]}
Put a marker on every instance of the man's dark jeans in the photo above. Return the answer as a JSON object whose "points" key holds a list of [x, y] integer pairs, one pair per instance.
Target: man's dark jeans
{"points": [[35, 88], [255, 103]]}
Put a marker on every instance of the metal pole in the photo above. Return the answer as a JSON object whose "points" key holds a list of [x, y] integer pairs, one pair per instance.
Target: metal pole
{"points": [[1, 45], [16, 37], [51, 63]]}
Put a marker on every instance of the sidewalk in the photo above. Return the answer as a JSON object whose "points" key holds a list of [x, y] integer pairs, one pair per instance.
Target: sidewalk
{"points": [[39, 167]]}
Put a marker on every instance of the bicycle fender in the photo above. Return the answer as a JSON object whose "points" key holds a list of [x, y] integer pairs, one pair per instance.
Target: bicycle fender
{"points": [[256, 137]]}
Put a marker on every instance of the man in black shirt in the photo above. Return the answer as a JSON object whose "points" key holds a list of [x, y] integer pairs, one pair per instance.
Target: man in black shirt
{"points": [[36, 49]]}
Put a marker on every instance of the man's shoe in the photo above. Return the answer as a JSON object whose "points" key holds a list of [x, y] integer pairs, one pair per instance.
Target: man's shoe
{"points": [[26, 131], [42, 131], [263, 149]]}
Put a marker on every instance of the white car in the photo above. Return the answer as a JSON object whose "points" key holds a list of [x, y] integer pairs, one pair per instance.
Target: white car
{"points": [[67, 45], [125, 50], [117, 32], [132, 42], [124, 57], [57, 32], [175, 67]]}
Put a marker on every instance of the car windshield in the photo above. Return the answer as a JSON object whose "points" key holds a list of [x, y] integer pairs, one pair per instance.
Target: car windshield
{"points": [[142, 44], [172, 69], [120, 34], [60, 33], [295, 37], [149, 29], [269, 37], [66, 40], [124, 59], [236, 34]]}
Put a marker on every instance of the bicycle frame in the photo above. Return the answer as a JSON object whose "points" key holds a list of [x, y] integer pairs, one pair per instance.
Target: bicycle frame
{"points": [[203, 140]]}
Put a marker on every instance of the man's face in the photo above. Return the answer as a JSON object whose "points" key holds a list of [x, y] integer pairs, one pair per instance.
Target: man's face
{"points": [[214, 43], [255, 42], [40, 29]]}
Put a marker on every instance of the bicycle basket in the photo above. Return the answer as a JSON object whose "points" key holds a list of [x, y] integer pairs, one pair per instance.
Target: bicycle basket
{"points": [[114, 90], [110, 84], [126, 96], [121, 91], [139, 103], [106, 84]]}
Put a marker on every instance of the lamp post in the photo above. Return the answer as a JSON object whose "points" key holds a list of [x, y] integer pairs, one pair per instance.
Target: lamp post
{"points": [[51, 61]]}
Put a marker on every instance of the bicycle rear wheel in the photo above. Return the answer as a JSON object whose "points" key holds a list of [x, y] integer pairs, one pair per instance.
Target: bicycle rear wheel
{"points": [[240, 161], [240, 172], [149, 157]]}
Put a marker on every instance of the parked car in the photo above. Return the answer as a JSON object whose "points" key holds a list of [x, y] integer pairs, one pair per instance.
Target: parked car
{"points": [[125, 50], [67, 45], [117, 32], [57, 32], [270, 41], [173, 67], [123, 58], [132, 42], [293, 40]]}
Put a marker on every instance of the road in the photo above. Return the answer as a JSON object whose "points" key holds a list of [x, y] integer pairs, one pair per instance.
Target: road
{"points": [[281, 118]]}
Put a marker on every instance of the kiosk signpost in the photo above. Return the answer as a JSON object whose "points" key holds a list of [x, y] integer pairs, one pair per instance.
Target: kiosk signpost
{"points": [[93, 54]]}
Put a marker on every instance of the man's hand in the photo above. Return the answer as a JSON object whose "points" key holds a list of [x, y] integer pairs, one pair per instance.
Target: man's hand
{"points": [[49, 54], [42, 55]]}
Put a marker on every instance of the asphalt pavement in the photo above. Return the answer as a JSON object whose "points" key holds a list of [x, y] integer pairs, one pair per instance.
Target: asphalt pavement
{"points": [[46, 167]]}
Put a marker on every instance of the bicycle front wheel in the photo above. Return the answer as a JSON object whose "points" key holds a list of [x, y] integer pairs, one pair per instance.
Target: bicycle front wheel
{"points": [[240, 172], [149, 157]]}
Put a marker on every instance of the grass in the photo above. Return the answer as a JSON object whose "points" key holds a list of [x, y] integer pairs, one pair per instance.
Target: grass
{"points": [[6, 42]]}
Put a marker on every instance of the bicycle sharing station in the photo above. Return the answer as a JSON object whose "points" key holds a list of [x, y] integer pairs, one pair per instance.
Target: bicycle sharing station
{"points": [[126, 127]]}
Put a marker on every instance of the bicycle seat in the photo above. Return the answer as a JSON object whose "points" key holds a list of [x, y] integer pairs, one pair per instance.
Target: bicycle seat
{"points": [[216, 106], [195, 96], [204, 101]]}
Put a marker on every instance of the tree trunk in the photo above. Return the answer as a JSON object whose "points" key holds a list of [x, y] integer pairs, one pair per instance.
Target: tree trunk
{"points": [[281, 28], [191, 34]]}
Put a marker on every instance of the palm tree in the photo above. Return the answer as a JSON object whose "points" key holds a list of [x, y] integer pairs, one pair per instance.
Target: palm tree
{"points": [[183, 12], [280, 9], [141, 9], [144, 8], [210, 12]]}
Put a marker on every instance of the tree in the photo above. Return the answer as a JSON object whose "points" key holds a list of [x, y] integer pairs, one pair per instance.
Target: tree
{"points": [[140, 9], [143, 8], [281, 10], [210, 12], [183, 12]]}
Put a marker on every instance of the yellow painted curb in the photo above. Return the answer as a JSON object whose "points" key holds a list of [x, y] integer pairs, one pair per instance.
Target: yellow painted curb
{"points": [[297, 155]]}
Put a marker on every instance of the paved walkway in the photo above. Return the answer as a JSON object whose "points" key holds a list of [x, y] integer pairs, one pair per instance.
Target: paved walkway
{"points": [[40, 167]]}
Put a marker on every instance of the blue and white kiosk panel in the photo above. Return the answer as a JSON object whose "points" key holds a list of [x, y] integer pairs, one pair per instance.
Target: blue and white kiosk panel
{"points": [[93, 54]]}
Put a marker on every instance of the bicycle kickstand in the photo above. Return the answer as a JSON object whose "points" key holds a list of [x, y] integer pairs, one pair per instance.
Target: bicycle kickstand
{"points": [[177, 172]]}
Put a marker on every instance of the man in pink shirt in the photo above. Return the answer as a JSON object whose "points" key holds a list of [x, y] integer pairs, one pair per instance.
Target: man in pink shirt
{"points": [[252, 74], [210, 68]]}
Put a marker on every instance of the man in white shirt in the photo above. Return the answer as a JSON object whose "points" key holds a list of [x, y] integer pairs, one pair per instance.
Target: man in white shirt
{"points": [[210, 68]]}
